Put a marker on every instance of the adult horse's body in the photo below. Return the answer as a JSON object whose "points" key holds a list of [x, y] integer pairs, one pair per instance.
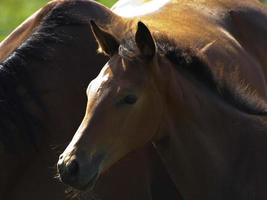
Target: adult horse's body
{"points": [[46, 64], [195, 87]]}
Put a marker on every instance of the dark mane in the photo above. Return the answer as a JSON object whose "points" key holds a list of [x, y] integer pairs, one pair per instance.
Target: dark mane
{"points": [[188, 62], [17, 124], [20, 129]]}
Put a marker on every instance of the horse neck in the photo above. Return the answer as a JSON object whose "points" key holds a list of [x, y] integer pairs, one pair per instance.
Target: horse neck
{"points": [[210, 149]]}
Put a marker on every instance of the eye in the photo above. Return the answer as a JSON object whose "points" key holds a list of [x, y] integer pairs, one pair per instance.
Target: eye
{"points": [[130, 99]]}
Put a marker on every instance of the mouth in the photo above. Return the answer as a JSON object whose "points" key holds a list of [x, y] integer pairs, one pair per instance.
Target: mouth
{"points": [[89, 186], [85, 175]]}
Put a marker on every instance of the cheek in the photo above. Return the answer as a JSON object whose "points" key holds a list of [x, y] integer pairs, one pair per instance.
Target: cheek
{"points": [[143, 121], [150, 113]]}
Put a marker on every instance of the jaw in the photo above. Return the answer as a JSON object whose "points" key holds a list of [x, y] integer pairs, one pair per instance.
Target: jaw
{"points": [[90, 185]]}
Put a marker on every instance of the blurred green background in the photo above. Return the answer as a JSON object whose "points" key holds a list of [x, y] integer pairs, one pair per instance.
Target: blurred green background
{"points": [[13, 12]]}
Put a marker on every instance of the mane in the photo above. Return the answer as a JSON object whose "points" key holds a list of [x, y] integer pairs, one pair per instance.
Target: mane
{"points": [[188, 62], [16, 125], [20, 129]]}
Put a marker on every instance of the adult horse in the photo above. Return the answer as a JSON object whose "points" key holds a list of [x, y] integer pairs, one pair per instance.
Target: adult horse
{"points": [[191, 78], [45, 66]]}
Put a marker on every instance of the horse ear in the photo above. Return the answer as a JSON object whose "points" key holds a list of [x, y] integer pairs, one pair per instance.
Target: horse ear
{"points": [[107, 43], [145, 41]]}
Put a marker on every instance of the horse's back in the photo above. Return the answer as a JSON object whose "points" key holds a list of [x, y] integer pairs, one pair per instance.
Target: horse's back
{"points": [[23, 31]]}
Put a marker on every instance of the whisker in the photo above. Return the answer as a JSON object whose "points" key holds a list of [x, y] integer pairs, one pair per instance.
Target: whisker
{"points": [[81, 195]]}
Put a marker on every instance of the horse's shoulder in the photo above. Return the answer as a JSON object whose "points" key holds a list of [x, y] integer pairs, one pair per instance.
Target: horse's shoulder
{"points": [[248, 26]]}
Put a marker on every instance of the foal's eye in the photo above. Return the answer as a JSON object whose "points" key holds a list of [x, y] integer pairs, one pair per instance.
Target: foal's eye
{"points": [[130, 99]]}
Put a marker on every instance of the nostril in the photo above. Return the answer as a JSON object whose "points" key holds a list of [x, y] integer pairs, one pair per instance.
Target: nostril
{"points": [[72, 168], [61, 157]]}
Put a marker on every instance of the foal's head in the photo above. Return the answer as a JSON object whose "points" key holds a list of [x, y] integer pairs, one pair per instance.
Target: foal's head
{"points": [[124, 108]]}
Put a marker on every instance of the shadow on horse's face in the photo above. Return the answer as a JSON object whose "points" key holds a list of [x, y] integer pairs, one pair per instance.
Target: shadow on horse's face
{"points": [[123, 113]]}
